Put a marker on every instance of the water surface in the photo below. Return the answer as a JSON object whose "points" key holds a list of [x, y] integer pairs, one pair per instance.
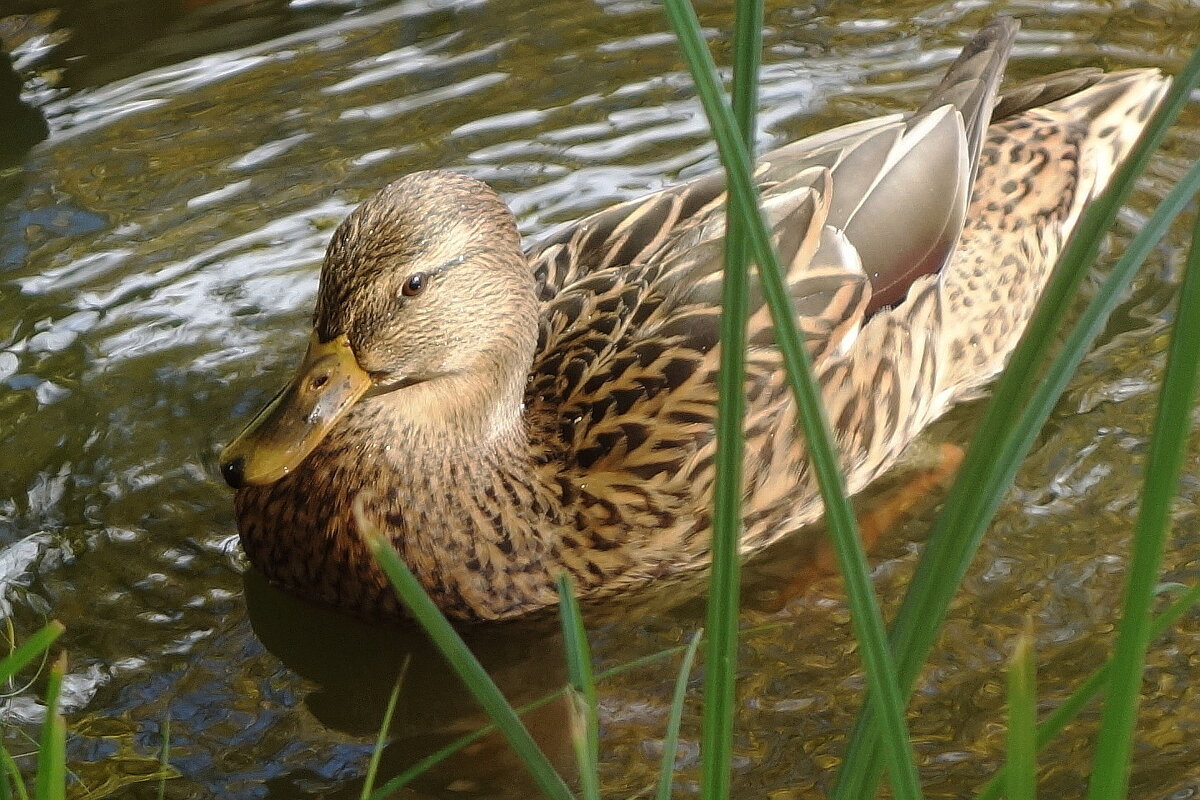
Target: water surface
{"points": [[158, 258]]}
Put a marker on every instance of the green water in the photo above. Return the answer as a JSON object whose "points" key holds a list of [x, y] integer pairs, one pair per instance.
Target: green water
{"points": [[158, 258]]}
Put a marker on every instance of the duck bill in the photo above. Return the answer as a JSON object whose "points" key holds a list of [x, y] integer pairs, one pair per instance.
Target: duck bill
{"points": [[324, 388]]}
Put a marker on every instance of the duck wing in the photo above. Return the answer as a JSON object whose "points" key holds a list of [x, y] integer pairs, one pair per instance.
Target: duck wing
{"points": [[626, 362]]}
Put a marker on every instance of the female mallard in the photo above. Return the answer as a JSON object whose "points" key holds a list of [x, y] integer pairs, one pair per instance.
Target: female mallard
{"points": [[506, 415]]}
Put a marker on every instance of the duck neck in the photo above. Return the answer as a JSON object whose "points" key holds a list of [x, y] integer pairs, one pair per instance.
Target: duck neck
{"points": [[464, 409], [466, 503]]}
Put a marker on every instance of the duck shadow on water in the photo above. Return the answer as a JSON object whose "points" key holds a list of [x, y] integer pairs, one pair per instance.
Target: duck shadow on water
{"points": [[355, 665]]}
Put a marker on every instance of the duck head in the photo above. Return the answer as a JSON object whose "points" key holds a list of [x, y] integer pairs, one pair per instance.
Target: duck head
{"points": [[426, 305]]}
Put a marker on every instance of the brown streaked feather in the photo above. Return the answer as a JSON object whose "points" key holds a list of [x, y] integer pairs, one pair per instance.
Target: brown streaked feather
{"points": [[591, 449]]}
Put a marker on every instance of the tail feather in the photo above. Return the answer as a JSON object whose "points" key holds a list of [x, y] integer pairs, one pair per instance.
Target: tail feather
{"points": [[1111, 114], [971, 83], [1044, 90]]}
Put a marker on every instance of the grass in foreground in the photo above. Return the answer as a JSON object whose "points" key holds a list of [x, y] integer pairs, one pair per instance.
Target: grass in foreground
{"points": [[50, 776]]}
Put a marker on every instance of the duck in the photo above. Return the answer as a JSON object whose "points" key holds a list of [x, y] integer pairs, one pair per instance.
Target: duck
{"points": [[506, 414]]}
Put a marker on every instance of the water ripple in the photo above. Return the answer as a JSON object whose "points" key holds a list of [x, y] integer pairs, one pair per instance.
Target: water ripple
{"points": [[159, 260]]}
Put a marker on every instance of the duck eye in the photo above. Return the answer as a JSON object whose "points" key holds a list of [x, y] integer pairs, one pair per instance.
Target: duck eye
{"points": [[415, 284]]}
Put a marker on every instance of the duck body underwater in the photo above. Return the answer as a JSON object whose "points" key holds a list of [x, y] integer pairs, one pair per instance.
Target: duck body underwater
{"points": [[507, 415]]}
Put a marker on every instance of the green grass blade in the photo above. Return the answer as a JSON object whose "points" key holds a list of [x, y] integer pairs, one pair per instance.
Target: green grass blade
{"points": [[31, 649], [435, 758], [867, 619], [747, 57], [13, 773], [51, 780], [1001, 440], [1021, 774], [461, 659], [385, 726], [579, 672], [6, 786], [1111, 766], [720, 677], [1070, 708], [164, 760], [666, 772], [725, 581]]}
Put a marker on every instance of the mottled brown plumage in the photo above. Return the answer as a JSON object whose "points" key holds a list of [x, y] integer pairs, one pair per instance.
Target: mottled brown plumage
{"points": [[507, 416]]}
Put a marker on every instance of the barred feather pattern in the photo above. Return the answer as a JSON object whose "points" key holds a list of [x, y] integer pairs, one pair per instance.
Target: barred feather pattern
{"points": [[608, 470]]}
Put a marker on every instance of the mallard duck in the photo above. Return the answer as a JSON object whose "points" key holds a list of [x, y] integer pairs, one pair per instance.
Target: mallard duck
{"points": [[507, 415]]}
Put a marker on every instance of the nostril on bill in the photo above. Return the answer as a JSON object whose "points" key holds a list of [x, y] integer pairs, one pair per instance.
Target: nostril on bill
{"points": [[234, 472]]}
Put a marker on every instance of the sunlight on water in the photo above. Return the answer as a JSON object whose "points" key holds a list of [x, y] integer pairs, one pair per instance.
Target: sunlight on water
{"points": [[158, 259]]}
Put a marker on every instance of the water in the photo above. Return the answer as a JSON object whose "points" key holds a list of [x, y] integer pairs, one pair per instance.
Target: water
{"points": [[158, 258]]}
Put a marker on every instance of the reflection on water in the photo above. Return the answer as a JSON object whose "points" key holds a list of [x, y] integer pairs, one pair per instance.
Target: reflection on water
{"points": [[432, 711], [158, 257]]}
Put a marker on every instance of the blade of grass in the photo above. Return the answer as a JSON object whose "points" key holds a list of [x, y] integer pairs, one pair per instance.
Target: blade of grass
{"points": [[1088, 690], [720, 674], [1168, 448], [666, 772], [747, 57], [30, 649], [13, 773], [33, 648], [51, 780], [866, 617], [461, 659], [1021, 775], [164, 761], [1002, 440], [385, 726], [431, 760], [579, 672]]}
